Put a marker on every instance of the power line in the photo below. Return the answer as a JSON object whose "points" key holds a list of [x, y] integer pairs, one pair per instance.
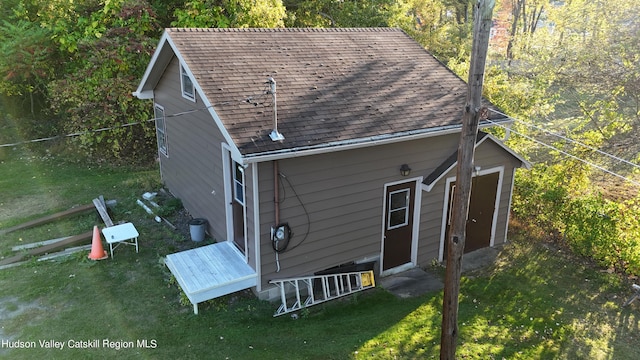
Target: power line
{"points": [[74, 134], [249, 100], [570, 155], [570, 140]]}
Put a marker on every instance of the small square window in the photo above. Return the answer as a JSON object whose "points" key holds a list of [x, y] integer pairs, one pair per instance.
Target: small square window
{"points": [[398, 211], [188, 90]]}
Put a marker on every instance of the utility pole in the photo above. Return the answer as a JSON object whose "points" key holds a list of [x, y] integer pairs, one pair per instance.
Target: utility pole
{"points": [[483, 11]]}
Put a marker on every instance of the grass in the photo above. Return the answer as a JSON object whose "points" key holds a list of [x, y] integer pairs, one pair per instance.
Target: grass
{"points": [[536, 302]]}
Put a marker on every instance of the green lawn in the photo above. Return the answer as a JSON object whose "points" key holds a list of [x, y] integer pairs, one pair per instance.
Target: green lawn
{"points": [[536, 302]]}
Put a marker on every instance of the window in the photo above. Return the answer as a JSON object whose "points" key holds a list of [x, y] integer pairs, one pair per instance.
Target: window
{"points": [[188, 91], [161, 130], [238, 183], [398, 209]]}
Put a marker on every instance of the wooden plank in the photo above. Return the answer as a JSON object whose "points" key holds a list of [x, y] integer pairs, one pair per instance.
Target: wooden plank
{"points": [[48, 218], [48, 248], [102, 210], [36, 244], [66, 252]]}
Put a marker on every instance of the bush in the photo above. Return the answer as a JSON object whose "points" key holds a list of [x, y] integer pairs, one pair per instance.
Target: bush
{"points": [[548, 198]]}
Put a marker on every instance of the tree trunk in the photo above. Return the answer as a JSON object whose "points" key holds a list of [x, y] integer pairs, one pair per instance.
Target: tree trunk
{"points": [[515, 13]]}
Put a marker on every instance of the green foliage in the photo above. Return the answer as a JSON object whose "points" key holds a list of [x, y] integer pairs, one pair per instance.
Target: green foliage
{"points": [[349, 13], [443, 27], [574, 73], [589, 51], [627, 219], [169, 207], [231, 13], [540, 197], [589, 228], [97, 95], [556, 199], [27, 65], [606, 231], [200, 14], [26, 62]]}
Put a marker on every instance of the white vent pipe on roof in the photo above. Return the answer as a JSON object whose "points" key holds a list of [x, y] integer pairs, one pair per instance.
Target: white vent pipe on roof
{"points": [[274, 135]]}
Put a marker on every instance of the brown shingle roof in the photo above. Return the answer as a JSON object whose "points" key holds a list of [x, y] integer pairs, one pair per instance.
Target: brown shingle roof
{"points": [[333, 85]]}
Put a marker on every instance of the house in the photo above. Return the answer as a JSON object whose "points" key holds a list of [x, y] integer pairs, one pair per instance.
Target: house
{"points": [[307, 149]]}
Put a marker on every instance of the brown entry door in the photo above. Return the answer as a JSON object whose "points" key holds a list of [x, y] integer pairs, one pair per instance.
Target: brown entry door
{"points": [[398, 225], [481, 208]]}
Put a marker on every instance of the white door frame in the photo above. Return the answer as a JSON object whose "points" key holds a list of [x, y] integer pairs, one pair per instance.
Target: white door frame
{"points": [[416, 226], [445, 206], [227, 162]]}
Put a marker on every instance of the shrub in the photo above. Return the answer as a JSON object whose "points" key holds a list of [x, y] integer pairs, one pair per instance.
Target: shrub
{"points": [[549, 198]]}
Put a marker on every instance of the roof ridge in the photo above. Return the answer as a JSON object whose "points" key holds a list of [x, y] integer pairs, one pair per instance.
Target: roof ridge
{"points": [[302, 30]]}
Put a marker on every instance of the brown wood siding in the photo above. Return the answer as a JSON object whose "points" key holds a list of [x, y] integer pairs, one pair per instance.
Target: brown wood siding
{"points": [[193, 168], [343, 193]]}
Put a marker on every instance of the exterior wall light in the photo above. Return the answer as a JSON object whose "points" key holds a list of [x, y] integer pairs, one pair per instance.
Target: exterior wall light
{"points": [[405, 170]]}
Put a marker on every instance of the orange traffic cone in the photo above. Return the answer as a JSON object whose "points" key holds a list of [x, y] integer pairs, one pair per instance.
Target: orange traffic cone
{"points": [[97, 252]]}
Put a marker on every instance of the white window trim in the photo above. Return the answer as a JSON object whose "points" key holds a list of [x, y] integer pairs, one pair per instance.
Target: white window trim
{"points": [[164, 150], [240, 182], [406, 210], [416, 226], [183, 73]]}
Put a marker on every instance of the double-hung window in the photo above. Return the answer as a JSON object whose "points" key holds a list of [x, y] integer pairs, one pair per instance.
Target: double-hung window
{"points": [[161, 130], [188, 90], [238, 183]]}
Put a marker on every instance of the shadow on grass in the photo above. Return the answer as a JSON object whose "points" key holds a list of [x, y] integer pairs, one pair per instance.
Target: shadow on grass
{"points": [[539, 302], [129, 299], [535, 302]]}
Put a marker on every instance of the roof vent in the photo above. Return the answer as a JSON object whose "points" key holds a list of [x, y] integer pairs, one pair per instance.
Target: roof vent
{"points": [[274, 135]]}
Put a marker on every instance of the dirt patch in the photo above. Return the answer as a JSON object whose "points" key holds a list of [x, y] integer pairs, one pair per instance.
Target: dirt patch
{"points": [[172, 211], [180, 219]]}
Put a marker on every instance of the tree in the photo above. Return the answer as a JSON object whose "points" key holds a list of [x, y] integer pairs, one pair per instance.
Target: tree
{"points": [[231, 13], [349, 13], [29, 61], [586, 52], [525, 19], [113, 49], [26, 61], [443, 27]]}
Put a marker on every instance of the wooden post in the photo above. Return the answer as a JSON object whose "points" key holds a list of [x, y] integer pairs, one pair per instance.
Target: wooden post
{"points": [[483, 10]]}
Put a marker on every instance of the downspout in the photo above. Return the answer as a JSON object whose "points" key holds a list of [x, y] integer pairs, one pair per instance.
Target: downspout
{"points": [[276, 192], [276, 205], [275, 136]]}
